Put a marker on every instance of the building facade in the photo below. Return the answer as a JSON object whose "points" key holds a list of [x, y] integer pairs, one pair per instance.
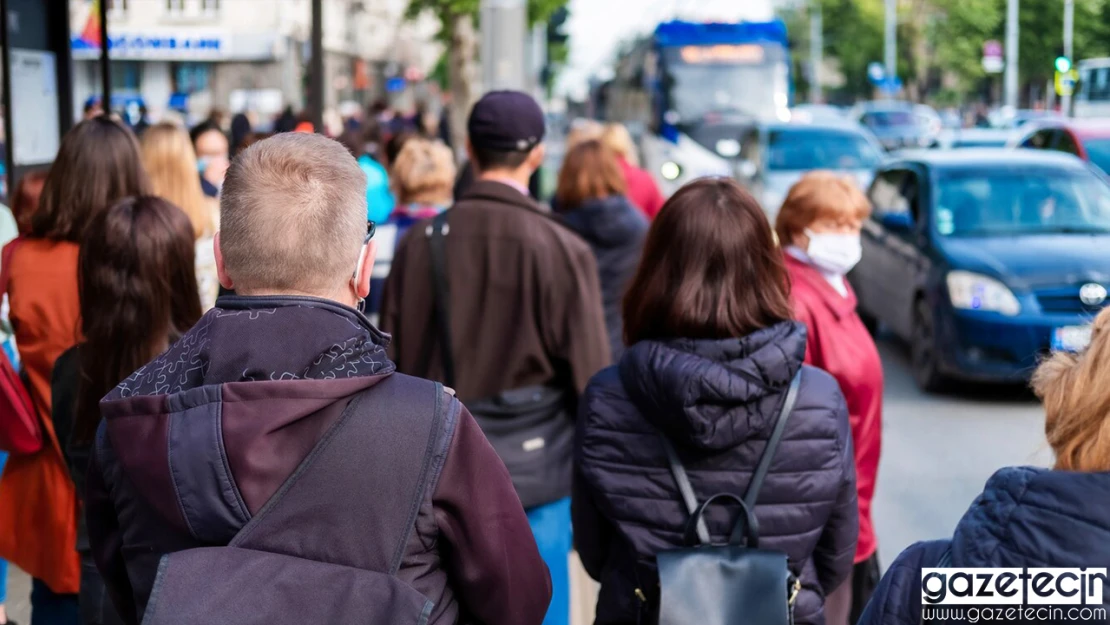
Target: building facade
{"points": [[193, 56]]}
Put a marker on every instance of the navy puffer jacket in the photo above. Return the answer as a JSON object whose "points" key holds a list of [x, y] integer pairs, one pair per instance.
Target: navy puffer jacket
{"points": [[717, 401], [615, 230], [1025, 517]]}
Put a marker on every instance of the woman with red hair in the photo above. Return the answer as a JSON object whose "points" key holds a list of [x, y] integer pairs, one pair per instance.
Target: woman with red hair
{"points": [[819, 228]]}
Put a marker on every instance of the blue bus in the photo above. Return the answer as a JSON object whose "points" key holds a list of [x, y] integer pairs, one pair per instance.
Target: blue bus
{"points": [[691, 89]]}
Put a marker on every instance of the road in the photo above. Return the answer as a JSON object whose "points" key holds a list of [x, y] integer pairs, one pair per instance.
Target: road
{"points": [[937, 453]]}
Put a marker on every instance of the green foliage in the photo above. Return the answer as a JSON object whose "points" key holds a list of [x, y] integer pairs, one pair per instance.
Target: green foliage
{"points": [[945, 38], [538, 10]]}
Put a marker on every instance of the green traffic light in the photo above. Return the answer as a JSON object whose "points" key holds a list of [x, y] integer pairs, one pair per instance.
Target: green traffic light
{"points": [[1063, 64]]}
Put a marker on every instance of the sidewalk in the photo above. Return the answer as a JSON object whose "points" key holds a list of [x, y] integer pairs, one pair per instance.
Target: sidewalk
{"points": [[18, 603]]}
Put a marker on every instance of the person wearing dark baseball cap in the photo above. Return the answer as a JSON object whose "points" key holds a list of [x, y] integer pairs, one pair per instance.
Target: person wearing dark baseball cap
{"points": [[502, 303]]}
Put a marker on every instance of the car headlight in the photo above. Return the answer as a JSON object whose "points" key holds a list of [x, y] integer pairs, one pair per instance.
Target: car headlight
{"points": [[972, 291], [670, 170]]}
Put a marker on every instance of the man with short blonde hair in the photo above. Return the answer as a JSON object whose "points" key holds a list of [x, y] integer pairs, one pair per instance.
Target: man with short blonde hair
{"points": [[271, 465], [292, 216]]}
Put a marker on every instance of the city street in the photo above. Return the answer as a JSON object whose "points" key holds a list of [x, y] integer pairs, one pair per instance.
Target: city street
{"points": [[937, 453]]}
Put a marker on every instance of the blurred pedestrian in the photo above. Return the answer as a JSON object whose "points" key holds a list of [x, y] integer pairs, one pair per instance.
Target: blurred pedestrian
{"points": [[92, 107], [582, 130], [138, 296], [394, 490], [26, 192], [365, 145], [97, 164], [591, 200], [1030, 516], [212, 150], [285, 122], [712, 352], [819, 226], [240, 129], [422, 178], [642, 189], [25, 199], [172, 166], [517, 322]]}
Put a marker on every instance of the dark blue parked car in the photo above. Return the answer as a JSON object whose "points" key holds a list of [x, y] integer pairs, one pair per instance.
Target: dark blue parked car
{"points": [[984, 259]]}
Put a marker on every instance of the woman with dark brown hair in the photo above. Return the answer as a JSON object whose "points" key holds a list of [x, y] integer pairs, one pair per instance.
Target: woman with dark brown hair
{"points": [[591, 199], [138, 288], [98, 163], [712, 353]]}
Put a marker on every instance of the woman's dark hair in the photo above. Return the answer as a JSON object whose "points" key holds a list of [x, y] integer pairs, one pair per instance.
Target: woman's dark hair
{"points": [[138, 290], [98, 163], [710, 268]]}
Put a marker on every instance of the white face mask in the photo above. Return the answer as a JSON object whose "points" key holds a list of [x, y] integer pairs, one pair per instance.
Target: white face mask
{"points": [[834, 253]]}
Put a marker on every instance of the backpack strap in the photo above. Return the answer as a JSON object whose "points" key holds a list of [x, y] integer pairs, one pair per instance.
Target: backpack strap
{"points": [[437, 234], [354, 500]]}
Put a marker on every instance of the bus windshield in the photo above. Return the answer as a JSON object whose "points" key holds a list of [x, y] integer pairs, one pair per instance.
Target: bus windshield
{"points": [[704, 84]]}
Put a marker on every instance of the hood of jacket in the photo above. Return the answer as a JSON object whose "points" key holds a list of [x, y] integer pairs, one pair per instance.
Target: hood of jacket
{"points": [[714, 394], [1033, 517], [607, 222], [209, 430]]}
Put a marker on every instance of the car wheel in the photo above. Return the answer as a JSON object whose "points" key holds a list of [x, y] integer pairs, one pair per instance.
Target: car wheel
{"points": [[923, 350]]}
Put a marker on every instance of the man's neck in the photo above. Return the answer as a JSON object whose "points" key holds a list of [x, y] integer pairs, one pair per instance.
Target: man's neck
{"points": [[516, 179]]}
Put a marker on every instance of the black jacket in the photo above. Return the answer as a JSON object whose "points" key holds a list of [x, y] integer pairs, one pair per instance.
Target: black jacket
{"points": [[717, 402], [615, 230]]}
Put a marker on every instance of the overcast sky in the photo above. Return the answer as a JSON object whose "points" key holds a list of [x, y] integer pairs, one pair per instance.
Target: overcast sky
{"points": [[597, 27]]}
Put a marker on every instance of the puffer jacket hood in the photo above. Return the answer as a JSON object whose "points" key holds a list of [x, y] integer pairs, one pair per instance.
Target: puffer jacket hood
{"points": [[607, 222], [263, 378], [712, 394], [1032, 517]]}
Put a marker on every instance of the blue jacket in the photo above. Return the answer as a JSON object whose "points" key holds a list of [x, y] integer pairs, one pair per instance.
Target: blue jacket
{"points": [[717, 401], [379, 200], [1025, 517]]}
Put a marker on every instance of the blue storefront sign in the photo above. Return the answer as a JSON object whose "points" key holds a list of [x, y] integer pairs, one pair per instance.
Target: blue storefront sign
{"points": [[153, 47]]}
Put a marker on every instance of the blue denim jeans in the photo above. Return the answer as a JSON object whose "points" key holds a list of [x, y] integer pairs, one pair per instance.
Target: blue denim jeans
{"points": [[552, 530], [3, 563]]}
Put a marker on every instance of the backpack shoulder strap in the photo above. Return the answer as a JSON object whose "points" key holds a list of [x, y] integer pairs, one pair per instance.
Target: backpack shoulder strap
{"points": [[354, 500], [764, 466], [441, 313]]}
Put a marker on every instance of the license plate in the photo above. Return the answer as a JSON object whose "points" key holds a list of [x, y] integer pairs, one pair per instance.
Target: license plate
{"points": [[1071, 338]]}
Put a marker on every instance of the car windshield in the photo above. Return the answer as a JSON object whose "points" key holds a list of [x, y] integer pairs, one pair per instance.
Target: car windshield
{"points": [[806, 149], [979, 143], [888, 119], [1098, 150], [979, 203]]}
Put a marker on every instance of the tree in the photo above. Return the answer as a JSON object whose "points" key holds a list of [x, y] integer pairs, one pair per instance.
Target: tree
{"points": [[457, 20]]}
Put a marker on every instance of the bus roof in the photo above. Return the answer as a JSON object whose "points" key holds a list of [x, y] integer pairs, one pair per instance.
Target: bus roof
{"points": [[678, 33]]}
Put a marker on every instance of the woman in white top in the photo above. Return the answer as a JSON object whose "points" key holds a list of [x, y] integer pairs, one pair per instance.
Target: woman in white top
{"points": [[172, 166]]}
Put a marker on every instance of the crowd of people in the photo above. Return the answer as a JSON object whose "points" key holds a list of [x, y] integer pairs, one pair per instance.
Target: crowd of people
{"points": [[296, 379]]}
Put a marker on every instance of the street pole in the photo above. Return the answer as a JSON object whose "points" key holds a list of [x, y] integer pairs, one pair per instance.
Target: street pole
{"points": [[1010, 95], [1069, 32], [316, 68], [890, 42], [504, 31], [816, 48], [105, 65]]}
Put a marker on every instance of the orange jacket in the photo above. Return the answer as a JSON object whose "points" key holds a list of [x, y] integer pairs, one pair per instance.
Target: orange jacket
{"points": [[38, 503]]}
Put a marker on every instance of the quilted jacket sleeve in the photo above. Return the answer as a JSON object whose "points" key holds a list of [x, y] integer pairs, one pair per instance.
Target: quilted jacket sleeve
{"points": [[897, 599]]}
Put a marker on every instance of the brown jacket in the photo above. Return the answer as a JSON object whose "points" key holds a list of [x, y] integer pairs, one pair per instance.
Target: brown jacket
{"points": [[524, 298]]}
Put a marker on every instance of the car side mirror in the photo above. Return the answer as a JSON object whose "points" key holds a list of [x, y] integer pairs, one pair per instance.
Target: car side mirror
{"points": [[897, 222]]}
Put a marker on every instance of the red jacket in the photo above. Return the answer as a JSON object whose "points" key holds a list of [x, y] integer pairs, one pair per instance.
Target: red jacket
{"points": [[840, 344], [642, 189]]}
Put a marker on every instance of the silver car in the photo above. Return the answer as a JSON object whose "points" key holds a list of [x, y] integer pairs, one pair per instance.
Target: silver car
{"points": [[773, 156]]}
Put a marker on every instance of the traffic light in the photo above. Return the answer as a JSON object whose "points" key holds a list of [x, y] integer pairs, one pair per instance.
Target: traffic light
{"points": [[1063, 64]]}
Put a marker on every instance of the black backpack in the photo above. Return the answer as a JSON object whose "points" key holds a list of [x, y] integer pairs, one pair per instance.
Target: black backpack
{"points": [[327, 546], [736, 582]]}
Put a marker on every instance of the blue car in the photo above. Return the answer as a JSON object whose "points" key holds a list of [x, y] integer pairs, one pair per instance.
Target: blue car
{"points": [[984, 260]]}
